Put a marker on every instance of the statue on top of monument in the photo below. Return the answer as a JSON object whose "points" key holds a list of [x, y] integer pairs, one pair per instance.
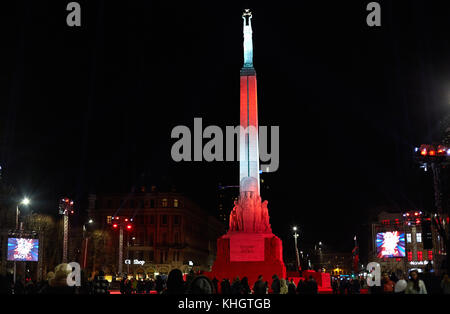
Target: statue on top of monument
{"points": [[248, 42]]}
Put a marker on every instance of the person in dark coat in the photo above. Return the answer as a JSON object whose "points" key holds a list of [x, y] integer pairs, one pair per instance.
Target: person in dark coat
{"points": [[245, 288], [148, 286], [335, 286], [122, 285], [201, 285], [100, 285], [260, 286], [175, 282], [342, 286], [276, 285], [356, 286], [312, 285], [159, 284], [301, 286], [225, 287], [215, 283], [291, 287], [236, 286]]}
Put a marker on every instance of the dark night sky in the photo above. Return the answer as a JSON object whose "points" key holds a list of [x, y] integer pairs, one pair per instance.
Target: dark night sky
{"points": [[91, 109]]}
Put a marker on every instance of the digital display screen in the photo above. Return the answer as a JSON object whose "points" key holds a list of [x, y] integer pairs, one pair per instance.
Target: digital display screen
{"points": [[390, 244], [23, 249]]}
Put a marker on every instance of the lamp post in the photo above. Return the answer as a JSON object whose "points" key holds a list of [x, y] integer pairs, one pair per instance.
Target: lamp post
{"points": [[296, 247], [121, 223], [25, 202], [320, 254], [86, 239]]}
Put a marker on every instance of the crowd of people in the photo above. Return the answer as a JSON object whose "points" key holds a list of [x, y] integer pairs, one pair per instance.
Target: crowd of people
{"points": [[398, 283], [56, 283], [199, 284], [278, 286]]}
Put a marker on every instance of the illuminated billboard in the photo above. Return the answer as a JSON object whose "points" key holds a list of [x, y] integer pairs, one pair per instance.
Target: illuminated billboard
{"points": [[23, 249], [390, 244]]}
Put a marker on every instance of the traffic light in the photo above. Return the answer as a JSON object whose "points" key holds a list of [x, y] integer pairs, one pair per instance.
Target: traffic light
{"points": [[427, 235]]}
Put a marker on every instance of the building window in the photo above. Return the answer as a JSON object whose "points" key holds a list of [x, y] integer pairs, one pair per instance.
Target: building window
{"points": [[419, 255], [108, 219], [175, 203], [430, 255], [150, 239], [408, 237], [409, 256], [164, 219], [152, 219], [151, 256], [164, 202], [176, 238], [131, 203], [164, 238], [176, 220], [419, 237], [176, 256], [152, 203]]}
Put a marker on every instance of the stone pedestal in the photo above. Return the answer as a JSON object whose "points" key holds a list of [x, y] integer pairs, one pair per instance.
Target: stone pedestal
{"points": [[249, 254]]}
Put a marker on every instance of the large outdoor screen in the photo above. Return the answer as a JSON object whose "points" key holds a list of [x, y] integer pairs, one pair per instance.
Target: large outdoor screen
{"points": [[23, 249], [390, 244]]}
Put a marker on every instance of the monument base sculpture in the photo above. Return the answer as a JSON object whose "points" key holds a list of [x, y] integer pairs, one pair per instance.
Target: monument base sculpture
{"points": [[249, 249]]}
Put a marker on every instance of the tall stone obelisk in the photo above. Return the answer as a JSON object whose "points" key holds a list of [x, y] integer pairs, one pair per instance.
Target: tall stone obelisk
{"points": [[249, 248], [249, 150]]}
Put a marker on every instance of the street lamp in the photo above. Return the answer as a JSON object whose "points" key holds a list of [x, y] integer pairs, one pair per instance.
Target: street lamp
{"points": [[25, 201], [296, 248], [320, 253], [86, 239]]}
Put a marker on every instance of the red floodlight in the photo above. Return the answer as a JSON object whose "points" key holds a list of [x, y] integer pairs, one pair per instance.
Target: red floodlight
{"points": [[441, 150], [126, 219], [423, 152], [129, 227], [432, 153], [115, 225]]}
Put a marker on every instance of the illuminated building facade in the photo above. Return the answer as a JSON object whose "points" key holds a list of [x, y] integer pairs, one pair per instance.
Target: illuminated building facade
{"points": [[418, 241], [168, 230]]}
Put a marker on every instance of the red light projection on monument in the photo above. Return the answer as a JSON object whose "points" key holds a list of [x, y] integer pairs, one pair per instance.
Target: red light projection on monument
{"points": [[249, 248]]}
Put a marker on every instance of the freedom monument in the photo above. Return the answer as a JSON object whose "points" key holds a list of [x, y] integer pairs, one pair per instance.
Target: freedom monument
{"points": [[249, 248]]}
